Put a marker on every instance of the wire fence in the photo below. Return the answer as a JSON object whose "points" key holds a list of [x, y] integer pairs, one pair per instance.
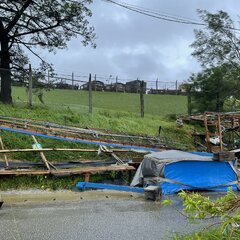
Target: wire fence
{"points": [[105, 82], [33, 79]]}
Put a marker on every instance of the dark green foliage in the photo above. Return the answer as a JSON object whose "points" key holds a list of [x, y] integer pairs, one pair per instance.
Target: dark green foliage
{"points": [[212, 87], [217, 48], [217, 43]]}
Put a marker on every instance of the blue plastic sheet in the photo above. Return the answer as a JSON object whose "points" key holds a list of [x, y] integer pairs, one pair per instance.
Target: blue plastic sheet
{"points": [[176, 170], [199, 175]]}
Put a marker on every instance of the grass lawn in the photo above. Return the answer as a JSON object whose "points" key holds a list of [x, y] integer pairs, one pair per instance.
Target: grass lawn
{"points": [[156, 105]]}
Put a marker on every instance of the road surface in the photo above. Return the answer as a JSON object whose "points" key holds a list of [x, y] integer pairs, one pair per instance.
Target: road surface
{"points": [[105, 216]]}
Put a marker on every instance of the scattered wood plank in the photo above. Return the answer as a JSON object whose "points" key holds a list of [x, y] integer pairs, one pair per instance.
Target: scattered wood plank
{"points": [[75, 171], [4, 155], [42, 154]]}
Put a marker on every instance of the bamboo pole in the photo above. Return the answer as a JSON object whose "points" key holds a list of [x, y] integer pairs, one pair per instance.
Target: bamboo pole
{"points": [[76, 132], [61, 150], [42, 155], [88, 170], [4, 155]]}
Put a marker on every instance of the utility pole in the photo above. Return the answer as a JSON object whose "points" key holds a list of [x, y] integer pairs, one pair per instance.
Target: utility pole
{"points": [[157, 84]]}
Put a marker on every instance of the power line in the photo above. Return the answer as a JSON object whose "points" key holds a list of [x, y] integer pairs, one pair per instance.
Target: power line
{"points": [[160, 16], [154, 14], [159, 13]]}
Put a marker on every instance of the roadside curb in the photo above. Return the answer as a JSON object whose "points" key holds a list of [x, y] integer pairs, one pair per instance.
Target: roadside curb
{"points": [[37, 196]]}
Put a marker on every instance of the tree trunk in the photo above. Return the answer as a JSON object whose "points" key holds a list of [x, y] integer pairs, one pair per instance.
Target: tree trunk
{"points": [[5, 95]]}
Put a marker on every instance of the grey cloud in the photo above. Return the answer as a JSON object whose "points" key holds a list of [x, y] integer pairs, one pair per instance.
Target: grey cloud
{"points": [[132, 45]]}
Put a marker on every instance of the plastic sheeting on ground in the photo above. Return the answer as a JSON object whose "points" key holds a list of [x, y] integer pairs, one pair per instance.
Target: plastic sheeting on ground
{"points": [[176, 170]]}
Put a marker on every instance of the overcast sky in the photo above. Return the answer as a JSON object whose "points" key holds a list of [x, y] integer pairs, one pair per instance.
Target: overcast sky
{"points": [[131, 45]]}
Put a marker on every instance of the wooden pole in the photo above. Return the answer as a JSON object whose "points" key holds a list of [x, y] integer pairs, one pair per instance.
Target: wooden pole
{"points": [[62, 150], [220, 132], [30, 87], [88, 170], [176, 86], [207, 135], [90, 93], [157, 84], [116, 83], [4, 155], [142, 98], [42, 154], [72, 80], [95, 81]]}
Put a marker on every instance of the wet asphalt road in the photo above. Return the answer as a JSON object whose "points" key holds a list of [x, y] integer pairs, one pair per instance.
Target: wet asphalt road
{"points": [[93, 219]]}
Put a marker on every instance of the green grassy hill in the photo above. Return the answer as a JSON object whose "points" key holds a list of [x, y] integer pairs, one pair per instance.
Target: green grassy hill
{"points": [[115, 111], [118, 112], [156, 105]]}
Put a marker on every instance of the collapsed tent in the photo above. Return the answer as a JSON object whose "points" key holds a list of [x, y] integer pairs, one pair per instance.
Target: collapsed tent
{"points": [[175, 170]]}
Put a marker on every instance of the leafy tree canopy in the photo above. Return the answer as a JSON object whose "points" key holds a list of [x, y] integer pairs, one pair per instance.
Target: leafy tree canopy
{"points": [[218, 42], [48, 24], [213, 86], [217, 48]]}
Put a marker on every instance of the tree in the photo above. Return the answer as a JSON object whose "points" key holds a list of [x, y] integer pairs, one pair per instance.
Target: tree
{"points": [[212, 87], [48, 24], [217, 48], [227, 208], [218, 42]]}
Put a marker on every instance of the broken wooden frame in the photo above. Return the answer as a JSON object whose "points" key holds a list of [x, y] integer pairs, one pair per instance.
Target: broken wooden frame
{"points": [[219, 125], [85, 134], [53, 170]]}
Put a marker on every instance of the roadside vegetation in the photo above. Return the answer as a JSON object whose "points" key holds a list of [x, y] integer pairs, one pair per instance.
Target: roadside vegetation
{"points": [[225, 212]]}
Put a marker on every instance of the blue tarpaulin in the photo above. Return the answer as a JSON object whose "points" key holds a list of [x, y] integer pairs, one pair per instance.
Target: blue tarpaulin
{"points": [[91, 185], [198, 175], [177, 170]]}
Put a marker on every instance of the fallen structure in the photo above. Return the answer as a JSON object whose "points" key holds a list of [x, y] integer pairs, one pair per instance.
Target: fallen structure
{"points": [[175, 170], [84, 135], [221, 130], [117, 143]]}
